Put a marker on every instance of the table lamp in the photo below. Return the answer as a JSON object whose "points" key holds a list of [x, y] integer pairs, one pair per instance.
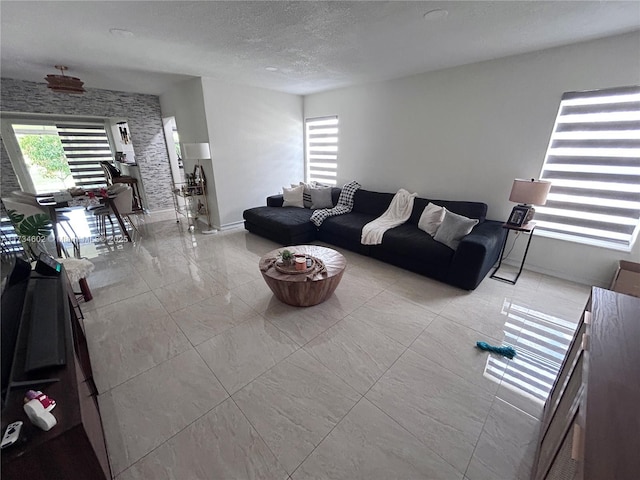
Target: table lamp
{"points": [[527, 193]]}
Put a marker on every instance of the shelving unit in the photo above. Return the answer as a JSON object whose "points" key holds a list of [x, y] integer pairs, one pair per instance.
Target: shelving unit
{"points": [[190, 200]]}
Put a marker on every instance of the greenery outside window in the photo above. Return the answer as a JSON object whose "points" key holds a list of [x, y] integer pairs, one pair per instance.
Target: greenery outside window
{"points": [[60, 155]]}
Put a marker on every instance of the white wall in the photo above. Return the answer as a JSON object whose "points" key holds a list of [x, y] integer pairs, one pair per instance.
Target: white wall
{"points": [[256, 138], [465, 133], [185, 102]]}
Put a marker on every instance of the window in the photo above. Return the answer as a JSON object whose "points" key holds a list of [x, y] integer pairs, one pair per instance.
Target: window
{"points": [[321, 146], [85, 146], [593, 162], [60, 155], [43, 155]]}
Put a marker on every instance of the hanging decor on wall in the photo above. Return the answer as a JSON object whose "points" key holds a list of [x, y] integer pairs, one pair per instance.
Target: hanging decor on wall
{"points": [[123, 128], [64, 84]]}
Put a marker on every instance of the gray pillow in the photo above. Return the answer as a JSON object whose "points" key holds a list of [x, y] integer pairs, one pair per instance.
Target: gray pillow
{"points": [[431, 218], [453, 228], [321, 198]]}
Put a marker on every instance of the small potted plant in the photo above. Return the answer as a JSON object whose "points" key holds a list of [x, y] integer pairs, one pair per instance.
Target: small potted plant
{"points": [[287, 257]]}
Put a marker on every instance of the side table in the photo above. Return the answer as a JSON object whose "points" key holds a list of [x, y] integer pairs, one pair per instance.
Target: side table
{"points": [[527, 228]]}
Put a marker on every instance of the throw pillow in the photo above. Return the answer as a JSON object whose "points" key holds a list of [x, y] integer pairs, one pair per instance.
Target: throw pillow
{"points": [[293, 196], [321, 198], [431, 218], [306, 194], [453, 228]]}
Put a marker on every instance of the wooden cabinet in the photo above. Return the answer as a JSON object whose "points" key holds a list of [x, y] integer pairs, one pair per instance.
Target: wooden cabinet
{"points": [[590, 422], [75, 448]]}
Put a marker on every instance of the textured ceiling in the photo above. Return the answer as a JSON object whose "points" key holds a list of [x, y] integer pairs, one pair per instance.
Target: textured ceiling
{"points": [[316, 46]]}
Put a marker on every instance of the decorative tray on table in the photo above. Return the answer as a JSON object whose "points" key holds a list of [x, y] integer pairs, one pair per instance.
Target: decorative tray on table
{"points": [[290, 269]]}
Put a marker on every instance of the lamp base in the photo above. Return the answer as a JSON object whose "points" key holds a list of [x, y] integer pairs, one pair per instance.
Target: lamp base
{"points": [[521, 215]]}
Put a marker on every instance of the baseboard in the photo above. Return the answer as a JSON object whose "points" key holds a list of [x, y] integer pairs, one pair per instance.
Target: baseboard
{"points": [[230, 226], [159, 215], [558, 274], [162, 211]]}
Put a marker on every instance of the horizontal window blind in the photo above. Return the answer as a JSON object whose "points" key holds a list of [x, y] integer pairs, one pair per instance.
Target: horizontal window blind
{"points": [[85, 146], [541, 341], [593, 163], [321, 144]]}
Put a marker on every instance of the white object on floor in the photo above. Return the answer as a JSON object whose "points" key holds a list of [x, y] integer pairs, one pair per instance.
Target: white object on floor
{"points": [[76, 268], [398, 212], [39, 416]]}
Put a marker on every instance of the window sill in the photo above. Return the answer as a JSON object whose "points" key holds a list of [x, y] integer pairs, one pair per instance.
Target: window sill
{"points": [[585, 241]]}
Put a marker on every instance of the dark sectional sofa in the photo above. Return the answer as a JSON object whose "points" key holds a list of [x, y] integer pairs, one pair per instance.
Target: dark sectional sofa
{"points": [[405, 246]]}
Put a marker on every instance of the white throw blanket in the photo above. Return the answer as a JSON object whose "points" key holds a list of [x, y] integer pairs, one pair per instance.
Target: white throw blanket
{"points": [[398, 212]]}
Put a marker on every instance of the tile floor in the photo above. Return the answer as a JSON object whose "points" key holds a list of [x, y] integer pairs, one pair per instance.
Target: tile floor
{"points": [[203, 374]]}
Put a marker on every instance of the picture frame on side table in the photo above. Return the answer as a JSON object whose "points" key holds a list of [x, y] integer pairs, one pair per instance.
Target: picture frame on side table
{"points": [[518, 216]]}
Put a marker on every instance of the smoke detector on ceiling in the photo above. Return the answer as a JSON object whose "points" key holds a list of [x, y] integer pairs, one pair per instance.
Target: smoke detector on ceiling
{"points": [[63, 84]]}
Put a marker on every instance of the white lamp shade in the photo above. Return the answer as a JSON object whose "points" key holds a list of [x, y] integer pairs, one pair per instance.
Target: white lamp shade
{"points": [[196, 151], [531, 192]]}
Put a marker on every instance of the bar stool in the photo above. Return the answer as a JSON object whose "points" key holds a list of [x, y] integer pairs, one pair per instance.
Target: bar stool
{"points": [[133, 183], [113, 175]]}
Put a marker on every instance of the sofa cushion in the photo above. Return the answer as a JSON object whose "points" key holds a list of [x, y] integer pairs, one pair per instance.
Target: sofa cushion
{"points": [[292, 220], [408, 241], [453, 228], [431, 218], [321, 198], [371, 203], [476, 210], [348, 225], [293, 196], [345, 231], [306, 194]]}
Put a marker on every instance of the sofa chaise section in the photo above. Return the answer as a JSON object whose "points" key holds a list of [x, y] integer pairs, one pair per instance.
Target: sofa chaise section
{"points": [[283, 225]]}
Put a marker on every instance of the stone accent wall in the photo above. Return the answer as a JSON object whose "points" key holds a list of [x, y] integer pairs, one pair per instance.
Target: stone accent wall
{"points": [[142, 113]]}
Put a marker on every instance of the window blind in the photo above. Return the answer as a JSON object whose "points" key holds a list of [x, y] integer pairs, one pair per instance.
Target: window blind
{"points": [[321, 144], [541, 341], [85, 146], [593, 162]]}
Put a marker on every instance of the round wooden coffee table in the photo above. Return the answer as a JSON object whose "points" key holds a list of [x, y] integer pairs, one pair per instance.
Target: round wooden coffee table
{"points": [[304, 289]]}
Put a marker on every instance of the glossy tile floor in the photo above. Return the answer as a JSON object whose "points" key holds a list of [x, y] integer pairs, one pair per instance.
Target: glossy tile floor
{"points": [[203, 374]]}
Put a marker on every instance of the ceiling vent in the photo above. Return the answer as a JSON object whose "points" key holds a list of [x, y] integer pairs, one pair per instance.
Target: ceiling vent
{"points": [[63, 84]]}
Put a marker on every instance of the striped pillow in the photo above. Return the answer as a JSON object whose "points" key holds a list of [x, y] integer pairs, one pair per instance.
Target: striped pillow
{"points": [[306, 195]]}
